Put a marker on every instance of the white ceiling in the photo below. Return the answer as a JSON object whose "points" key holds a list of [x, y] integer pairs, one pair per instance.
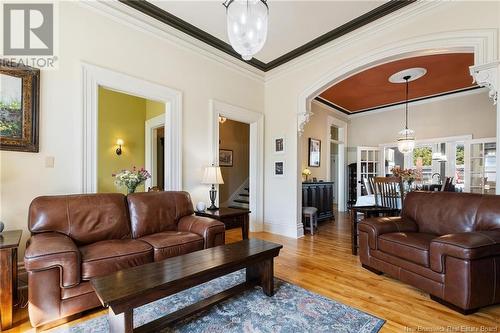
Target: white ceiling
{"points": [[291, 23]]}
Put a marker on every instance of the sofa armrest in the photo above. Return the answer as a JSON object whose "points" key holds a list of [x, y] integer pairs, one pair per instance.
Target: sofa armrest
{"points": [[466, 246], [51, 249], [211, 230], [377, 226]]}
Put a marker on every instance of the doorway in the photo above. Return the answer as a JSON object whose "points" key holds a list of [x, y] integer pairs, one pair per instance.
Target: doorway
{"points": [[123, 120], [94, 77], [155, 151], [234, 158], [255, 121]]}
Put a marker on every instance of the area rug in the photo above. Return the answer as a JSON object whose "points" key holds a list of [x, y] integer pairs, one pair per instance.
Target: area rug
{"points": [[291, 309]]}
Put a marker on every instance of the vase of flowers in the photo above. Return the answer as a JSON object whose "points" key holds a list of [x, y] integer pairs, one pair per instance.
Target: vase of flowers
{"points": [[408, 176], [131, 178]]}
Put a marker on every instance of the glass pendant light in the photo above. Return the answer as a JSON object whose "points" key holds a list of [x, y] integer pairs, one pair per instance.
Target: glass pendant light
{"points": [[247, 22], [406, 141]]}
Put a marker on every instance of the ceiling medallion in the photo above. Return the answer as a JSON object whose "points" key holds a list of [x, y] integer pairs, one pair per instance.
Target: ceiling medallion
{"points": [[247, 22]]}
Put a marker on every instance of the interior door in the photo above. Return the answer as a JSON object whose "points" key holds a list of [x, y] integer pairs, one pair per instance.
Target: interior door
{"points": [[334, 171], [368, 165], [480, 166]]}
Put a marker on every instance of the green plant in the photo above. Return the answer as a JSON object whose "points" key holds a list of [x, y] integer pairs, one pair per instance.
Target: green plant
{"points": [[460, 155], [425, 153]]}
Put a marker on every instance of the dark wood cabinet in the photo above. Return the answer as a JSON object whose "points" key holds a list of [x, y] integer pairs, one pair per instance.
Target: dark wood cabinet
{"points": [[352, 183], [319, 195]]}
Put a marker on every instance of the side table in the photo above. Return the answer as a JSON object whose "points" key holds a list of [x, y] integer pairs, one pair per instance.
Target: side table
{"points": [[9, 242], [231, 217]]}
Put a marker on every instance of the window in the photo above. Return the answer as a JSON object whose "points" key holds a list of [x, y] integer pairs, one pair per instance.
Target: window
{"points": [[422, 157], [459, 166]]}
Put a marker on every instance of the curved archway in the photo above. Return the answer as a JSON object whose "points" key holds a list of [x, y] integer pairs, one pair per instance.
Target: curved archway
{"points": [[480, 42]]}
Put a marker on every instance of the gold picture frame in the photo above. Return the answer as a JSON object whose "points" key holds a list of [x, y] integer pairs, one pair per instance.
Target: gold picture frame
{"points": [[19, 107]]}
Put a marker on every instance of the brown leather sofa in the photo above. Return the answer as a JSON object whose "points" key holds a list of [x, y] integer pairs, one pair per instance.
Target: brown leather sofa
{"points": [[77, 237], [447, 244]]}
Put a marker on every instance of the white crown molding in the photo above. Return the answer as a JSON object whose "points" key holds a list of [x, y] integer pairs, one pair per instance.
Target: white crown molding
{"points": [[487, 75], [133, 18]]}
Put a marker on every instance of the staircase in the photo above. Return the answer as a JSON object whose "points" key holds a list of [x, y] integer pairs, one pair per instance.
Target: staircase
{"points": [[241, 199]]}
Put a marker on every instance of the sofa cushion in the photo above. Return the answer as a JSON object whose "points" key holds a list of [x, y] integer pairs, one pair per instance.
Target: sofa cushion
{"points": [[412, 246], [153, 212], [173, 243], [86, 218], [106, 257]]}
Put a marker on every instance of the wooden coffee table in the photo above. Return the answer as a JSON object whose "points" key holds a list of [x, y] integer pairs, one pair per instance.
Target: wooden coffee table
{"points": [[125, 290]]}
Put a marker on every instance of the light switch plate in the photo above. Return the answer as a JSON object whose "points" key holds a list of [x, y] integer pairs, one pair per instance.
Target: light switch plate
{"points": [[49, 161]]}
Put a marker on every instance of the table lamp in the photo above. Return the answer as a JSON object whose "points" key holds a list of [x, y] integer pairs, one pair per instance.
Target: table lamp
{"points": [[212, 176]]}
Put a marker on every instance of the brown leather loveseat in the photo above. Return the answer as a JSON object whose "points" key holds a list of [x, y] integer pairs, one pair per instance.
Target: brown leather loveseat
{"points": [[77, 237], [447, 244]]}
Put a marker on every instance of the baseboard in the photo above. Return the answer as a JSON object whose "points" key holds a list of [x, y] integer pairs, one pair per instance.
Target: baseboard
{"points": [[287, 230]]}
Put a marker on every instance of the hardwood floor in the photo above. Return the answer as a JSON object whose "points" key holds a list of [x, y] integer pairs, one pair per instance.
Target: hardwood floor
{"points": [[323, 264]]}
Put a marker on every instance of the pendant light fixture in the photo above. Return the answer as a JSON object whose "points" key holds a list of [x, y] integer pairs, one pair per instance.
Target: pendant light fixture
{"points": [[406, 140], [247, 22]]}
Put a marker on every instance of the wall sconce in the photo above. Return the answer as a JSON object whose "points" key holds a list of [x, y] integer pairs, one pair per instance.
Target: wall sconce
{"points": [[119, 143]]}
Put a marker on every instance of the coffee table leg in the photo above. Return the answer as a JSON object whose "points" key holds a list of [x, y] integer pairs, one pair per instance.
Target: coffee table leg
{"points": [[6, 288], [245, 227], [263, 273], [122, 322]]}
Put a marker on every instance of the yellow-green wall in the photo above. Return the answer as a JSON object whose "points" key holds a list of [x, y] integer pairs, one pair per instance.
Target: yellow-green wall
{"points": [[154, 109], [121, 116]]}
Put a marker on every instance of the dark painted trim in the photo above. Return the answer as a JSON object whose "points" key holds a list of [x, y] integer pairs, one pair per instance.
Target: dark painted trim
{"points": [[341, 109], [350, 26], [332, 105], [161, 15]]}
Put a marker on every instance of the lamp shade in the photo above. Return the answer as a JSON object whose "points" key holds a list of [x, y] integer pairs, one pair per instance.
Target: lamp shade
{"points": [[212, 175]]}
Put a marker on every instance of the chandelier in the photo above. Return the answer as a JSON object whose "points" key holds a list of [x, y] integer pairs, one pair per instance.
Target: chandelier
{"points": [[247, 22], [406, 140]]}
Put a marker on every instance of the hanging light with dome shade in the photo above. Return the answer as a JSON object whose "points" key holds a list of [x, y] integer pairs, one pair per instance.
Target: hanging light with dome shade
{"points": [[247, 22], [406, 140]]}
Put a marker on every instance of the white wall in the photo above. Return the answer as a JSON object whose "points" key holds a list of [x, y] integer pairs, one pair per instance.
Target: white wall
{"points": [[469, 114], [286, 85], [317, 128], [86, 35]]}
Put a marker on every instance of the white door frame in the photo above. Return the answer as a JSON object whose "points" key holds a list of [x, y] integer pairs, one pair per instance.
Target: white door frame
{"points": [[150, 159], [256, 167], [342, 138], [92, 78]]}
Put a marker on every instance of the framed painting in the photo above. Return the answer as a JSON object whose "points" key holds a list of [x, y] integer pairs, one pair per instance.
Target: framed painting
{"points": [[314, 152], [279, 145], [279, 169], [19, 105], [225, 158]]}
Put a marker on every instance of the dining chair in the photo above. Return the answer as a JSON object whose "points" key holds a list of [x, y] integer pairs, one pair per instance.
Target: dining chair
{"points": [[447, 185], [368, 183], [388, 192]]}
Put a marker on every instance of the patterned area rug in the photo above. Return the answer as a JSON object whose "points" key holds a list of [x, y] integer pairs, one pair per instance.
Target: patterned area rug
{"points": [[291, 309]]}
